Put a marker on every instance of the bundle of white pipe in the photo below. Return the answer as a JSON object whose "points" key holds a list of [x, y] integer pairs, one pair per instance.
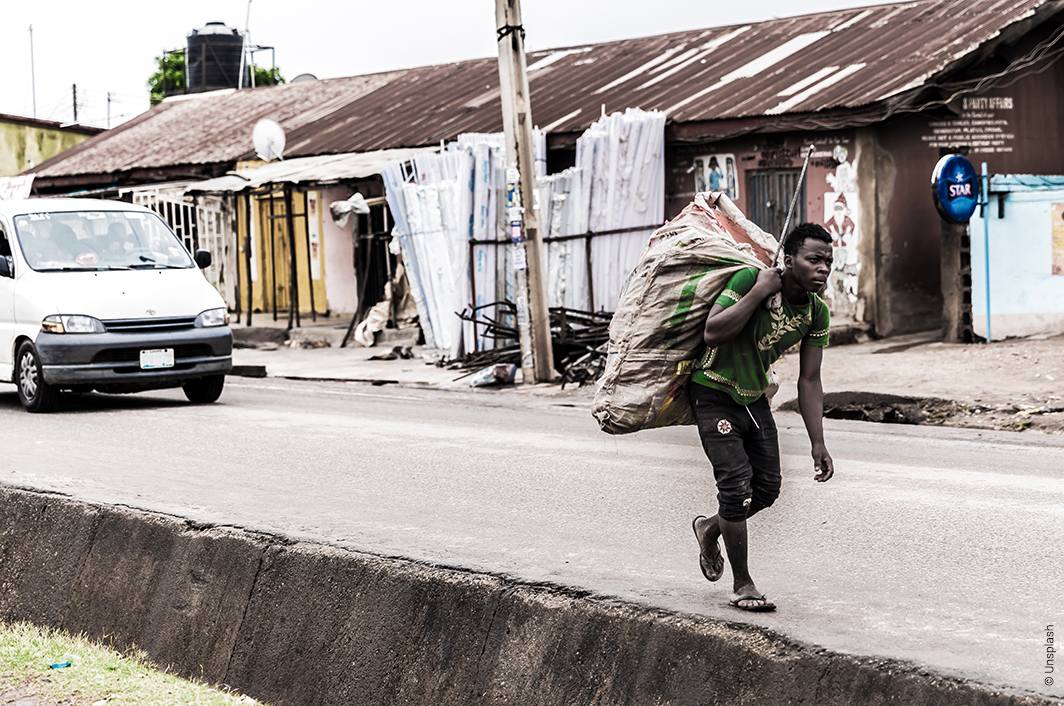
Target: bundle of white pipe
{"points": [[624, 154], [441, 201]]}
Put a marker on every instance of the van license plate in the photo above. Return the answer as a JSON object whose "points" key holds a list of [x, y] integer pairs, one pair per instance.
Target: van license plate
{"points": [[157, 358]]}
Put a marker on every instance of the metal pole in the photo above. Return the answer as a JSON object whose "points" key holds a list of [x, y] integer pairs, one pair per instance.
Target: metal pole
{"points": [[310, 268], [986, 244], [273, 256], [590, 275], [472, 291], [247, 248], [234, 226], [293, 267], [33, 75], [532, 305], [794, 200], [75, 93]]}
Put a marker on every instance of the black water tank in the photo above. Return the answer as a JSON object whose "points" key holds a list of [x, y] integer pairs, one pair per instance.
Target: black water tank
{"points": [[213, 58]]}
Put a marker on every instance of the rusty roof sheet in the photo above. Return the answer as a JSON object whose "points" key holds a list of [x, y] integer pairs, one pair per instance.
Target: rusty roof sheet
{"points": [[844, 59]]}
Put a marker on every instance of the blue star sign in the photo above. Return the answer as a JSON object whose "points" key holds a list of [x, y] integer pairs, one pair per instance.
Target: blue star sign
{"points": [[955, 188]]}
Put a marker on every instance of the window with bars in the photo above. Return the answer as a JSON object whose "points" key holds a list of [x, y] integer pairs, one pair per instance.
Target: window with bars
{"points": [[768, 196]]}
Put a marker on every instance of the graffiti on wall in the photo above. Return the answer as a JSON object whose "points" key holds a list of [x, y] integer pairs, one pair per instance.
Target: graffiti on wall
{"points": [[717, 172], [840, 220]]}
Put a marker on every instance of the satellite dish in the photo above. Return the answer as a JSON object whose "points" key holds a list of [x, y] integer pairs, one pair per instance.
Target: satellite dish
{"points": [[268, 138]]}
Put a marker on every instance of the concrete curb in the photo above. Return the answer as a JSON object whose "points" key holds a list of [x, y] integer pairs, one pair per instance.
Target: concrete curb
{"points": [[299, 623]]}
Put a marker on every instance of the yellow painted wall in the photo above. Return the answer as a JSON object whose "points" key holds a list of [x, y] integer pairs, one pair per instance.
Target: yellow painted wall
{"points": [[270, 253], [22, 147]]}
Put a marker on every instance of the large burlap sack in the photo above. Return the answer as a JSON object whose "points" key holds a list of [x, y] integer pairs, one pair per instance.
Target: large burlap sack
{"points": [[657, 329]]}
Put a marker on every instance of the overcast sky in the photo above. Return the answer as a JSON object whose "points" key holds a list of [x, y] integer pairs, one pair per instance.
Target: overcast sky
{"points": [[108, 46]]}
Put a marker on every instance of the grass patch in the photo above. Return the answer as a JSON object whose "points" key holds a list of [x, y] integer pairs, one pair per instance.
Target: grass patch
{"points": [[97, 675]]}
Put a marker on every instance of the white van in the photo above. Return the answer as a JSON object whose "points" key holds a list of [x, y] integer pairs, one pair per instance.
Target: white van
{"points": [[101, 295]]}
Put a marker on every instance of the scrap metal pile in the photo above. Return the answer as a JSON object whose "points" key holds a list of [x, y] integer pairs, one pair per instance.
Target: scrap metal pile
{"points": [[578, 338]]}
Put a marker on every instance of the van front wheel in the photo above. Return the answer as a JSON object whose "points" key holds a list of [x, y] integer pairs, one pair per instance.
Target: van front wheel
{"points": [[35, 394], [204, 390]]}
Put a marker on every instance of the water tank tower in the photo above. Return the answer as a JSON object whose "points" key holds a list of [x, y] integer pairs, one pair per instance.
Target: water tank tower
{"points": [[213, 57]]}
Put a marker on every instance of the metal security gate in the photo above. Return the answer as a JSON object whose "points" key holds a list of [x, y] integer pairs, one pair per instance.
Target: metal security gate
{"points": [[768, 196], [200, 224]]}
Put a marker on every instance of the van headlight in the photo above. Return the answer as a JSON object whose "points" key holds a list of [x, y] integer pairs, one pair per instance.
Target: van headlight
{"points": [[71, 323], [212, 317]]}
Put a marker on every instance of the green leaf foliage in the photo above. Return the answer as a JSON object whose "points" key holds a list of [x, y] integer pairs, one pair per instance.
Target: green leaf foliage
{"points": [[267, 77], [169, 77]]}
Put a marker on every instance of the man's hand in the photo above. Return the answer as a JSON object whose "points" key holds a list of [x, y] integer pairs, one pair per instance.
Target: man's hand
{"points": [[724, 324], [822, 463], [768, 282]]}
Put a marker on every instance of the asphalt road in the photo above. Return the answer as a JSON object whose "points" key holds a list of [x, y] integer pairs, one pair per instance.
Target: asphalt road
{"points": [[938, 546]]}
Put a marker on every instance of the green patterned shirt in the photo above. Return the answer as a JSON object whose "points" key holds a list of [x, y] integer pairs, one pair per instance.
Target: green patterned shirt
{"points": [[740, 366]]}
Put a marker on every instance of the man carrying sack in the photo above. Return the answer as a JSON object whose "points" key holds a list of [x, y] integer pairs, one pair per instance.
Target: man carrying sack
{"points": [[726, 392]]}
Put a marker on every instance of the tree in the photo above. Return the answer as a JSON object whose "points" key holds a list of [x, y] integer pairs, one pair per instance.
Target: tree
{"points": [[267, 77], [169, 78]]}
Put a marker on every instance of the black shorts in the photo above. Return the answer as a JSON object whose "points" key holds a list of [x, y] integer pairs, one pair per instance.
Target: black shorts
{"points": [[743, 446]]}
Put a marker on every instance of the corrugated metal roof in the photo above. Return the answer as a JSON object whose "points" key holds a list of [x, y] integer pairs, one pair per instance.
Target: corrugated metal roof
{"points": [[302, 170], [840, 60], [50, 124]]}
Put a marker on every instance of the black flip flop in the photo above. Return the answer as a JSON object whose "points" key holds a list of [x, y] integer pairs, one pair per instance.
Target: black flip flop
{"points": [[715, 560], [764, 606]]}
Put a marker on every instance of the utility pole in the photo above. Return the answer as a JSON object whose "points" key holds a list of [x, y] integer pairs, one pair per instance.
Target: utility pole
{"points": [[75, 88], [108, 110], [33, 75], [533, 316], [249, 56]]}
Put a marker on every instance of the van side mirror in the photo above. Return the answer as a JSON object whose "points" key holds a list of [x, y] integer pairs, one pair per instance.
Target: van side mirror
{"points": [[5, 267], [203, 259]]}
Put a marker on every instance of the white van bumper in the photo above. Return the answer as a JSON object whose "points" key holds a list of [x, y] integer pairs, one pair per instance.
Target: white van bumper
{"points": [[113, 359]]}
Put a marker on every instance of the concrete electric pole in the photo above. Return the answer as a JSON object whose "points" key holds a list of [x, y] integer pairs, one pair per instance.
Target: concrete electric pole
{"points": [[533, 316]]}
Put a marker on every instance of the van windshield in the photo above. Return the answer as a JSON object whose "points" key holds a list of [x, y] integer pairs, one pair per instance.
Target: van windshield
{"points": [[98, 240]]}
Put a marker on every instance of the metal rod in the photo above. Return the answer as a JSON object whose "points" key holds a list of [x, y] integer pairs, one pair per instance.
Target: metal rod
{"points": [[986, 244], [234, 225], [577, 236], [794, 200], [293, 267], [194, 221], [33, 75], [310, 269], [247, 59], [472, 291], [273, 257], [247, 249], [590, 278]]}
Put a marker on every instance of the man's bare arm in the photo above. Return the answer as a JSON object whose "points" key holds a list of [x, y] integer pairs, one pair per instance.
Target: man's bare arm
{"points": [[722, 325], [811, 405]]}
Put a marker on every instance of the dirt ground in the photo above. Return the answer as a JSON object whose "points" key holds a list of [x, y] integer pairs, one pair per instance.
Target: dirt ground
{"points": [[1016, 384]]}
